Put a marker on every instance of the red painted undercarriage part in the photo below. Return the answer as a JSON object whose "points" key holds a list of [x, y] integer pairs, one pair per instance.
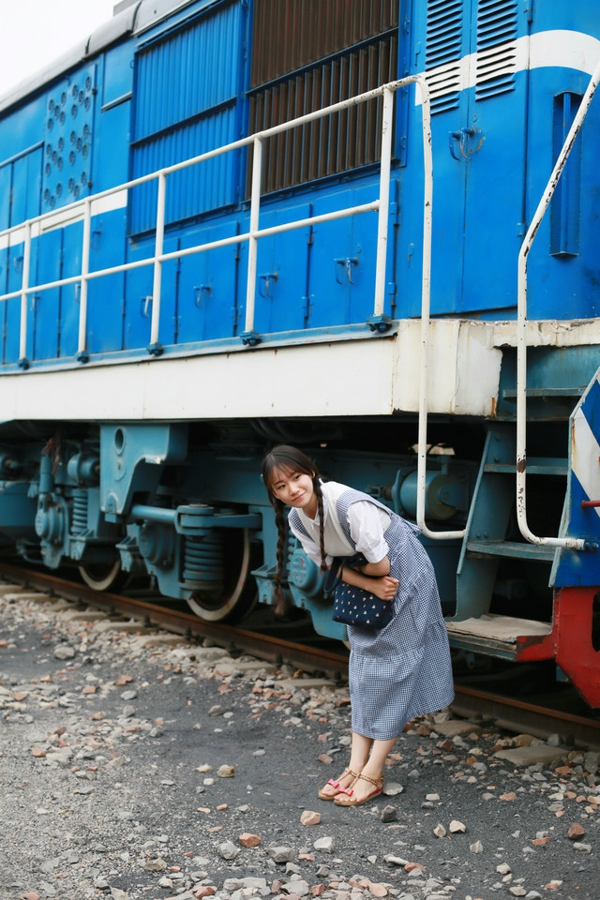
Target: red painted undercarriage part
{"points": [[572, 642]]}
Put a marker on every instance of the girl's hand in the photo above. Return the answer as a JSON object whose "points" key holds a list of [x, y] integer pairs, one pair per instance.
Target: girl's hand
{"points": [[385, 588]]}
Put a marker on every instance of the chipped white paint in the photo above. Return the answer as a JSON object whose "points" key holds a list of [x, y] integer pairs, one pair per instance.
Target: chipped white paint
{"points": [[559, 49]]}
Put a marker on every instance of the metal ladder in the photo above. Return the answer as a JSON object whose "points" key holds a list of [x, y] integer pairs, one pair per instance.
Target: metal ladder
{"points": [[485, 543]]}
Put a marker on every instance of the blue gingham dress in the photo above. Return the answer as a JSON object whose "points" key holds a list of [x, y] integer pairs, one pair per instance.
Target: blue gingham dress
{"points": [[404, 669]]}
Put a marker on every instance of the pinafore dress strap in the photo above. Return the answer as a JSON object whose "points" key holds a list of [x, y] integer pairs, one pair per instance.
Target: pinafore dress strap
{"points": [[294, 519], [352, 496]]}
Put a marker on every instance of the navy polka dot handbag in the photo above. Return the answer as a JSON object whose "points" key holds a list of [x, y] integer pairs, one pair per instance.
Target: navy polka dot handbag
{"points": [[353, 605]]}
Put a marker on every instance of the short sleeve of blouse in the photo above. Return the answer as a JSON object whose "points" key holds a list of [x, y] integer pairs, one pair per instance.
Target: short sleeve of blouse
{"points": [[367, 526]]}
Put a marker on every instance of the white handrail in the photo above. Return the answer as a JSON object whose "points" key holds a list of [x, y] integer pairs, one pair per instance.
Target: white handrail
{"points": [[85, 266], [158, 249], [257, 158], [84, 208], [24, 292], [425, 329], [384, 200], [521, 456]]}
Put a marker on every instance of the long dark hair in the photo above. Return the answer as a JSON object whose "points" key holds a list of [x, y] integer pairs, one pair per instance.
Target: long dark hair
{"points": [[289, 459]]}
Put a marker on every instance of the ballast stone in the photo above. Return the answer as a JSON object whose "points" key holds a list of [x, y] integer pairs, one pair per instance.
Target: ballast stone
{"points": [[118, 625], [64, 651], [527, 756], [280, 854], [455, 727], [324, 844]]}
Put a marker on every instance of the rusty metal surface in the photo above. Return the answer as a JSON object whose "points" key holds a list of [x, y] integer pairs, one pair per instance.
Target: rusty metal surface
{"points": [[291, 34], [260, 645], [309, 54], [517, 715]]}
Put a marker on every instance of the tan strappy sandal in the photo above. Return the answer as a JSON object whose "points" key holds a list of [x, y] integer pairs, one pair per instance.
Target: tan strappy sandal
{"points": [[336, 784], [348, 799]]}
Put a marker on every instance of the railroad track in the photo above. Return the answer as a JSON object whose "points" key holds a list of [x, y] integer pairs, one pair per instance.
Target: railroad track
{"points": [[508, 713]]}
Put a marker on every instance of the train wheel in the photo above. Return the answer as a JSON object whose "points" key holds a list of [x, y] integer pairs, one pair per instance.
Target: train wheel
{"points": [[104, 576], [238, 596]]}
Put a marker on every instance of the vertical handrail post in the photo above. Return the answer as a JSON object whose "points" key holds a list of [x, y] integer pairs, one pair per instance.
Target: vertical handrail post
{"points": [[82, 354], [154, 347], [249, 336], [384, 200], [522, 312], [426, 322], [23, 361]]}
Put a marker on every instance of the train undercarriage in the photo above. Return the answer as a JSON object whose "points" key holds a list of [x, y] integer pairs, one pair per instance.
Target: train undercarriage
{"points": [[182, 504]]}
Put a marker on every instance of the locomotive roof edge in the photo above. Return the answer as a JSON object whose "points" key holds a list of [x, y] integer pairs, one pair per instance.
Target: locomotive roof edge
{"points": [[137, 17]]}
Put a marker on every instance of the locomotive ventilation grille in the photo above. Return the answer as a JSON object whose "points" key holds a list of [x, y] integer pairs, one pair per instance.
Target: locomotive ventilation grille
{"points": [[450, 61], [307, 56]]}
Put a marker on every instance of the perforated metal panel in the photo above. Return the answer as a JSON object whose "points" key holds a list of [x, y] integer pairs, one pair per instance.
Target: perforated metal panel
{"points": [[68, 140]]}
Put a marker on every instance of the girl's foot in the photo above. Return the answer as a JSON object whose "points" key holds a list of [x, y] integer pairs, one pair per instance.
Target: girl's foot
{"points": [[333, 788], [363, 789]]}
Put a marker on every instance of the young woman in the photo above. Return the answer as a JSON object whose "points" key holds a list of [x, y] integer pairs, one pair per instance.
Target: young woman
{"points": [[398, 672]]}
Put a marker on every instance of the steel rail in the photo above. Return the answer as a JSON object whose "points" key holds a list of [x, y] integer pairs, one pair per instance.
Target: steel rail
{"points": [[509, 714], [530, 718], [187, 624]]}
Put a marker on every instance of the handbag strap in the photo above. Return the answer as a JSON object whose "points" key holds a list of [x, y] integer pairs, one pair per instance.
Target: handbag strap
{"points": [[335, 572]]}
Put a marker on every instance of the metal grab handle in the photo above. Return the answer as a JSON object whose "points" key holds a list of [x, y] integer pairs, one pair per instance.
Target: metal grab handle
{"points": [[347, 262], [268, 277], [459, 137], [145, 305], [200, 290]]}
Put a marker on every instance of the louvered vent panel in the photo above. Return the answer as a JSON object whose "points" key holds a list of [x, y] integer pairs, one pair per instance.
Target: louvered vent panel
{"points": [[186, 105], [496, 47], [292, 34], [334, 144], [443, 52]]}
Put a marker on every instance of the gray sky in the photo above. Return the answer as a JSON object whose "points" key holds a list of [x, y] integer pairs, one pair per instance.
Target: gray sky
{"points": [[35, 32]]}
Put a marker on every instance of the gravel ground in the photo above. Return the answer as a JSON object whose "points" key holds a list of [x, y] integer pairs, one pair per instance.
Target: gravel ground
{"points": [[131, 767]]}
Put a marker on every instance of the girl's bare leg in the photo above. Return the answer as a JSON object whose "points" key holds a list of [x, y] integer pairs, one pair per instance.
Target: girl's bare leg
{"points": [[358, 757], [372, 768]]}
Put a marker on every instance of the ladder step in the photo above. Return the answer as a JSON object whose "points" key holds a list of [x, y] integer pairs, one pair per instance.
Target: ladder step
{"points": [[540, 465], [511, 549], [505, 636]]}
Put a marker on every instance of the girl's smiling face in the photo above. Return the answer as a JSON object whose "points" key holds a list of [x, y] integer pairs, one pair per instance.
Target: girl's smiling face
{"points": [[294, 489]]}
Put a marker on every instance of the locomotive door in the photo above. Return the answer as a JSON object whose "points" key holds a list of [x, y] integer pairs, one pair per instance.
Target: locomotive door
{"points": [[20, 188], [344, 251], [206, 299], [281, 286], [479, 146], [54, 314]]}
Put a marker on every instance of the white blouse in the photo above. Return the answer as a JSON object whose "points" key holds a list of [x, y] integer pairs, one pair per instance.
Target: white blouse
{"points": [[367, 523]]}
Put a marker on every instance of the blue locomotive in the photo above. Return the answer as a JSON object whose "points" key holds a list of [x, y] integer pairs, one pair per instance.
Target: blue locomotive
{"points": [[365, 227]]}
